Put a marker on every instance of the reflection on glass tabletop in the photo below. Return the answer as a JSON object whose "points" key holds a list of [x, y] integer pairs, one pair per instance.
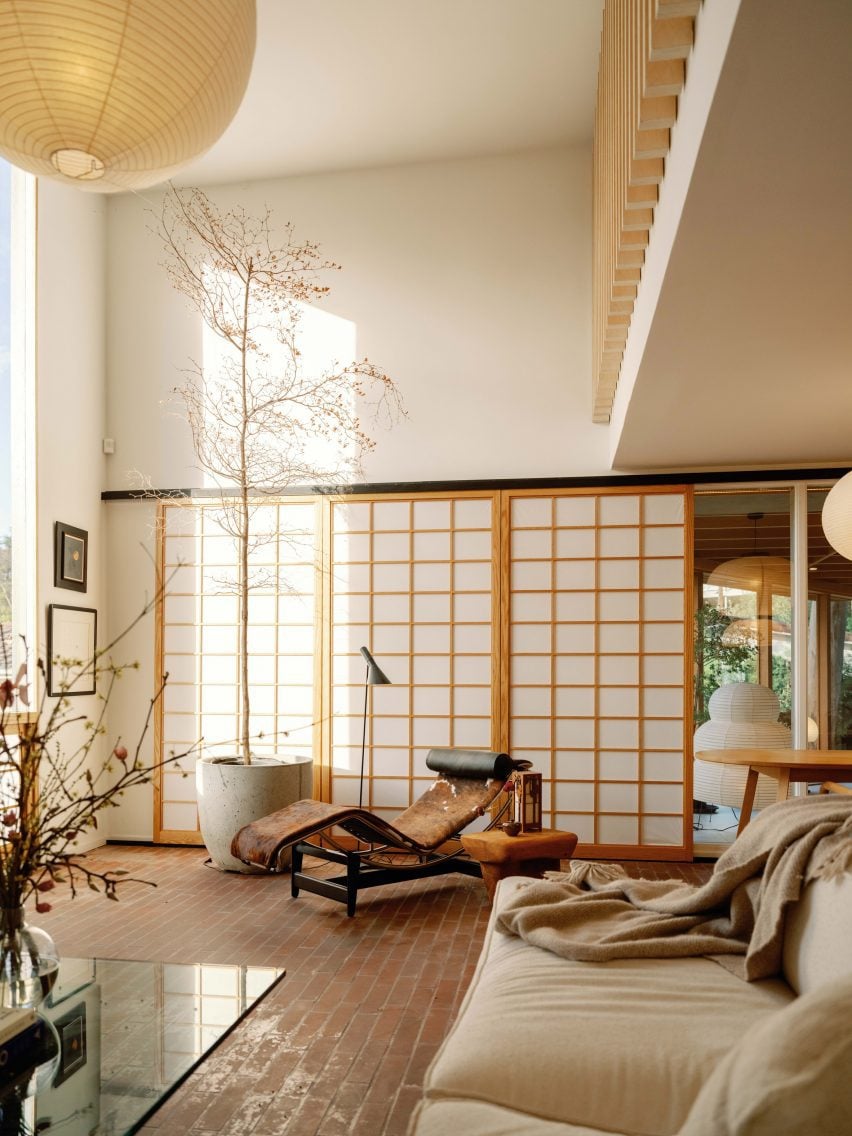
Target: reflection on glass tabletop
{"points": [[121, 1037]]}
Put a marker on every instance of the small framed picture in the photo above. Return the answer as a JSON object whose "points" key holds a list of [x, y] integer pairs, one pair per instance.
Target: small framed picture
{"points": [[70, 557], [72, 634], [71, 1028]]}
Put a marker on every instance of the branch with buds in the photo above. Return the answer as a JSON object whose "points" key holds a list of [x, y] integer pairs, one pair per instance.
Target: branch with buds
{"points": [[53, 784], [255, 420]]}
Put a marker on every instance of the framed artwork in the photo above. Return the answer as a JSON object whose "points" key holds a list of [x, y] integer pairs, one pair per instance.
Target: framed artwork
{"points": [[72, 634], [70, 557], [71, 1028]]}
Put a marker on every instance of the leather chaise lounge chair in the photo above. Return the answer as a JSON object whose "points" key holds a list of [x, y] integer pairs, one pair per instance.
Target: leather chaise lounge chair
{"points": [[411, 847]]}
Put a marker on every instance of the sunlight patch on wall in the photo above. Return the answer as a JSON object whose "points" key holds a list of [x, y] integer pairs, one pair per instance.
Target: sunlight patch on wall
{"points": [[322, 343]]}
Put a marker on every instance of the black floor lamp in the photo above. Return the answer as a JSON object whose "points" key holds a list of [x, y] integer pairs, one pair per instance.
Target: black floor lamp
{"points": [[375, 677]]}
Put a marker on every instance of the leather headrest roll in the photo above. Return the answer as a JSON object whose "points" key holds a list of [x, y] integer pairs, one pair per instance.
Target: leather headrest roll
{"points": [[478, 764]]}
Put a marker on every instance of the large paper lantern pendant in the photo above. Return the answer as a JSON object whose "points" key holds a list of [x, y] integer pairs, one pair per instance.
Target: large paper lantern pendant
{"points": [[111, 95], [837, 517]]}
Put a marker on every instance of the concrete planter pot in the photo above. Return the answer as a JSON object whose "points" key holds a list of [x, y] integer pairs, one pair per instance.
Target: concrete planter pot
{"points": [[231, 795]]}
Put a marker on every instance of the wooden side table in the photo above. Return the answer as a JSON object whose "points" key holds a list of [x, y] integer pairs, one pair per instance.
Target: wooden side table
{"points": [[527, 854]]}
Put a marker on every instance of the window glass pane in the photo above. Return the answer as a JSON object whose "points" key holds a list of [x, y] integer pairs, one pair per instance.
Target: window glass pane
{"points": [[839, 731], [5, 421], [17, 419], [743, 635], [743, 615], [829, 636]]}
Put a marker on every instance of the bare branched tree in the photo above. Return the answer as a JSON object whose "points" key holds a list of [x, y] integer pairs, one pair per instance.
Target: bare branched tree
{"points": [[56, 783], [258, 422]]}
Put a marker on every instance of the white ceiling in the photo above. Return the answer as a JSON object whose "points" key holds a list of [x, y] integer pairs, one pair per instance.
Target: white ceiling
{"points": [[749, 358], [342, 84]]}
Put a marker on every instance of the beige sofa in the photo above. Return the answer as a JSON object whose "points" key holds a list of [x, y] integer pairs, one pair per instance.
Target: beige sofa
{"points": [[548, 1047]]}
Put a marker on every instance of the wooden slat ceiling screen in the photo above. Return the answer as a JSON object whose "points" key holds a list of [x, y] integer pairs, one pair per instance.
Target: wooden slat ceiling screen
{"points": [[644, 45]]}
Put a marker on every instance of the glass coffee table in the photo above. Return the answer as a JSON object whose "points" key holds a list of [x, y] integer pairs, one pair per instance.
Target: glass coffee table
{"points": [[120, 1037]]}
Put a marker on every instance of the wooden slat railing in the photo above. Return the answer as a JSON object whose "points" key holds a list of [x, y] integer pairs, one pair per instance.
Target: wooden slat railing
{"points": [[644, 45]]}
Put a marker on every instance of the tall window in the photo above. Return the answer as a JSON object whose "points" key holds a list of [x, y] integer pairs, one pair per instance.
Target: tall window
{"points": [[830, 667], [17, 427], [744, 634], [5, 418], [743, 616]]}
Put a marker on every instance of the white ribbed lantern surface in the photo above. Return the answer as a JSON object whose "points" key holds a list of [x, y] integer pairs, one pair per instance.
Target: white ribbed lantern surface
{"points": [[744, 702], [837, 517], [743, 715], [110, 95]]}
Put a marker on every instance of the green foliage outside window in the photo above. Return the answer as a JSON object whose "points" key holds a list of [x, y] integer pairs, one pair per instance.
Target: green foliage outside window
{"points": [[840, 709], [716, 662], [782, 670]]}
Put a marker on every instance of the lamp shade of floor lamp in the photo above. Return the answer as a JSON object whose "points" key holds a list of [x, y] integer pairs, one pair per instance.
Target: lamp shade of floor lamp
{"points": [[837, 517], [375, 676], [110, 95]]}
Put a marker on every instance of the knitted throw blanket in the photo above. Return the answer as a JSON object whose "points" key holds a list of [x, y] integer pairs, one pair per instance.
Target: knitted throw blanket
{"points": [[594, 913]]}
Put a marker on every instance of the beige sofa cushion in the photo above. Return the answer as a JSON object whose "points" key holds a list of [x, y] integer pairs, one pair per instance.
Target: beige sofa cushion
{"points": [[791, 1074], [818, 934], [475, 1118], [624, 1046]]}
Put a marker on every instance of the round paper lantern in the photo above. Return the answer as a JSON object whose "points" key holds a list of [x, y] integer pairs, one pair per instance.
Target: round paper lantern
{"points": [[837, 517], [743, 715], [766, 575], [110, 95]]}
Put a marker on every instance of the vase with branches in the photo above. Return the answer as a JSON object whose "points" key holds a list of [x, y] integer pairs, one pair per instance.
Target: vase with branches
{"points": [[262, 422], [54, 785]]}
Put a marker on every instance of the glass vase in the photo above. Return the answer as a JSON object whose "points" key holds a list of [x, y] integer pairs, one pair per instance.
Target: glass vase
{"points": [[29, 961]]}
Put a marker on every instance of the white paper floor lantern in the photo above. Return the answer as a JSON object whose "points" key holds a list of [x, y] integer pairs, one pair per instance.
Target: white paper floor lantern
{"points": [[837, 517], [110, 95], [743, 715]]}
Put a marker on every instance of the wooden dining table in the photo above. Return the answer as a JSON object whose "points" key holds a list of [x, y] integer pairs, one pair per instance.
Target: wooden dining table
{"points": [[784, 766]]}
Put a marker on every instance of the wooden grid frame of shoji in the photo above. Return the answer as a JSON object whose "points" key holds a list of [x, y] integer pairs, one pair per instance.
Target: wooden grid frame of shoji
{"points": [[414, 578], [196, 644], [193, 1006], [596, 681], [552, 624]]}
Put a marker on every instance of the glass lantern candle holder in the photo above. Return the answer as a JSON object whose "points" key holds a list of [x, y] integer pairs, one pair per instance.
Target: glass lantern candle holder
{"points": [[527, 802]]}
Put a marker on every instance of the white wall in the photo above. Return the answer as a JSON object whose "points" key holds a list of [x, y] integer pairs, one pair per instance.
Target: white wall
{"points": [[468, 281], [130, 548], [71, 301]]}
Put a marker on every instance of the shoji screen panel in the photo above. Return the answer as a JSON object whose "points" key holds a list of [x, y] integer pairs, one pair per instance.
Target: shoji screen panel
{"points": [[198, 642], [413, 580], [595, 676]]}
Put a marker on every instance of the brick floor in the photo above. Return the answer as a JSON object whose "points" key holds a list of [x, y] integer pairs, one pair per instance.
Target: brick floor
{"points": [[341, 1045]]}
